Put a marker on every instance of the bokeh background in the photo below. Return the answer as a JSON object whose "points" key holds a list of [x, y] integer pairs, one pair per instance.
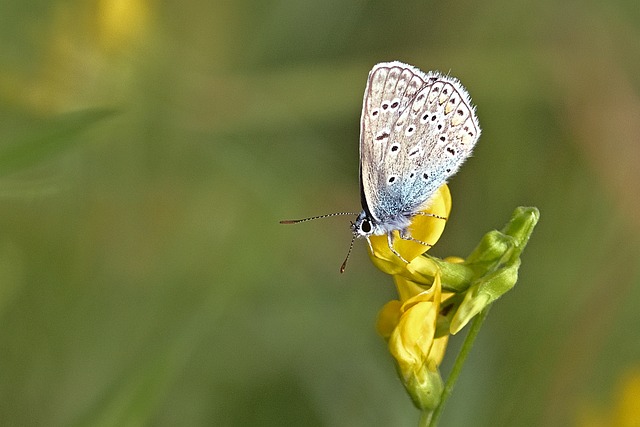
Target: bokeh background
{"points": [[148, 149]]}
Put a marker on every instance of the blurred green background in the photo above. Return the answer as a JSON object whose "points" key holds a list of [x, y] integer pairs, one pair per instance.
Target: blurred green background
{"points": [[149, 148]]}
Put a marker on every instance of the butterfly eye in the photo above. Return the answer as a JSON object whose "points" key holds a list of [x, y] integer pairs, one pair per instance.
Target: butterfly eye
{"points": [[365, 226]]}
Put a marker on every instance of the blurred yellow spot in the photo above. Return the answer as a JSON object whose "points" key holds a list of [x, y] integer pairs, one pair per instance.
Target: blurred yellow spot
{"points": [[628, 407], [625, 412], [121, 23]]}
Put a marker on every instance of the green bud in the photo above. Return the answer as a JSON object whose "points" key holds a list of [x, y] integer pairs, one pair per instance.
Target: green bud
{"points": [[495, 262], [484, 292], [425, 388]]}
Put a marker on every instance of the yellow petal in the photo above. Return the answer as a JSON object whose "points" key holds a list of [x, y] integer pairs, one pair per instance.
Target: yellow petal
{"points": [[388, 318], [406, 288], [412, 340], [435, 356]]}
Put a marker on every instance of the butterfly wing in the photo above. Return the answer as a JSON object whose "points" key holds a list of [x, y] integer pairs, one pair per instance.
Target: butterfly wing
{"points": [[416, 131], [390, 88]]}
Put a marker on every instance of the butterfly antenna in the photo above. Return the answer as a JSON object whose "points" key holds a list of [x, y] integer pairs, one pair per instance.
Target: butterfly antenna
{"points": [[296, 221], [344, 263]]}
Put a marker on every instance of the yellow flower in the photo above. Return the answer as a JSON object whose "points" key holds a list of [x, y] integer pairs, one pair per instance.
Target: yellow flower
{"points": [[410, 325]]}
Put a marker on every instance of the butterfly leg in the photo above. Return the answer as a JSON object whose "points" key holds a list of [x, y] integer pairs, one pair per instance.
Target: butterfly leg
{"points": [[432, 215], [370, 245], [396, 253], [404, 234]]}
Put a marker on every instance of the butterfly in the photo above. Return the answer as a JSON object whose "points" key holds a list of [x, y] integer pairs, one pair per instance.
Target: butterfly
{"points": [[416, 130]]}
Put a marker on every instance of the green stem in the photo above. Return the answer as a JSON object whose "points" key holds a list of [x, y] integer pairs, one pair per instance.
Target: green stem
{"points": [[425, 418], [430, 419]]}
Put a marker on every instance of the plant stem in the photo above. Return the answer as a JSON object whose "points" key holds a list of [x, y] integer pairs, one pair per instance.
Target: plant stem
{"points": [[425, 418], [432, 418]]}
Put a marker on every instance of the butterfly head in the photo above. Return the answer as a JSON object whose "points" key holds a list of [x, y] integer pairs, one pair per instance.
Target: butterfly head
{"points": [[365, 226]]}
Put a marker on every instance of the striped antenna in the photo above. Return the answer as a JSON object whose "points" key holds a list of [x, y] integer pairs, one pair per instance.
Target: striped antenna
{"points": [[344, 263], [296, 221]]}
